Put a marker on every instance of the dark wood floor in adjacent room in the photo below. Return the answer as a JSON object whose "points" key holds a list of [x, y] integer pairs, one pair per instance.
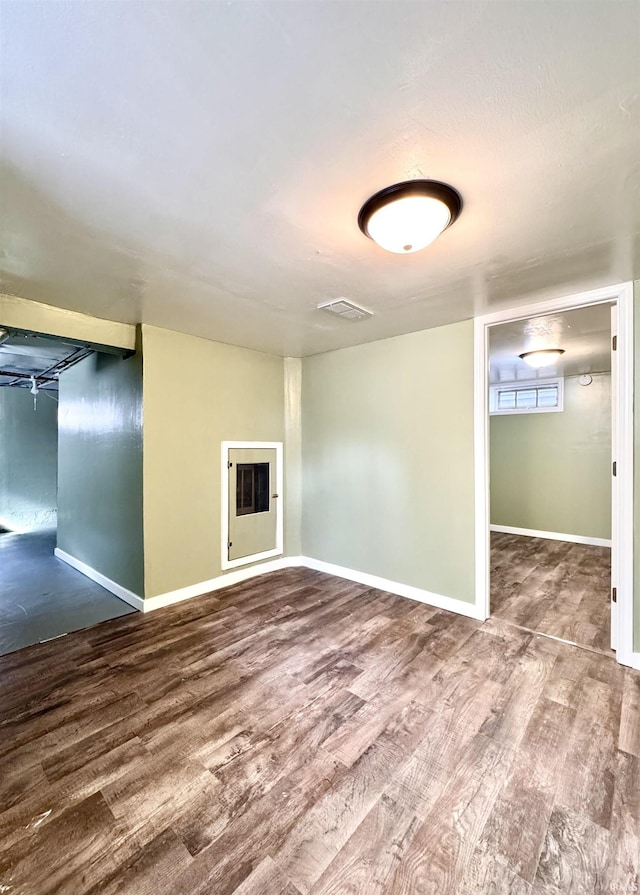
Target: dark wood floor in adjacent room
{"points": [[301, 734], [553, 587]]}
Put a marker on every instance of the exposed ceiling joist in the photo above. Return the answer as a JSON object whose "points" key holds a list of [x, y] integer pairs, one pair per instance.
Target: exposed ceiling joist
{"points": [[28, 357]]}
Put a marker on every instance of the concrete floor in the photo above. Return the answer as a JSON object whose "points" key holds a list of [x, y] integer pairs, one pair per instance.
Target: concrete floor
{"points": [[42, 597]]}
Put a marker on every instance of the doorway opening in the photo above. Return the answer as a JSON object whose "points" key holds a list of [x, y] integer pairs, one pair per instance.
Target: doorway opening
{"points": [[554, 476], [41, 598], [550, 483]]}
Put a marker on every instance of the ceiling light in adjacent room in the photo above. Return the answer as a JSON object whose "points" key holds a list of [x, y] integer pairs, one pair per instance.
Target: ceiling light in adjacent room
{"points": [[542, 358], [409, 216]]}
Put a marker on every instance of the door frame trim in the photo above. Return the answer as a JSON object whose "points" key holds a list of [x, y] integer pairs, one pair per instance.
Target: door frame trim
{"points": [[225, 562], [622, 294]]}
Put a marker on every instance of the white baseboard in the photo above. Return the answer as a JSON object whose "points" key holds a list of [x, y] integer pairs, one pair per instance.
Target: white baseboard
{"points": [[205, 587], [395, 587], [127, 595], [286, 562], [551, 535]]}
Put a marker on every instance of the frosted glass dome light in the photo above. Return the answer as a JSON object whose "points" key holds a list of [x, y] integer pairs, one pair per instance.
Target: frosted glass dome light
{"points": [[409, 216], [542, 358]]}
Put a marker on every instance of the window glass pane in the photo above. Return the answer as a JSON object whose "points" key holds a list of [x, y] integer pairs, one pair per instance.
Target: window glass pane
{"points": [[548, 397], [262, 488], [526, 398], [506, 400], [246, 492], [252, 488], [244, 489]]}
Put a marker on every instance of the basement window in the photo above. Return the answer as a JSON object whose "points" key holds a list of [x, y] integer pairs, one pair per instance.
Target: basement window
{"points": [[252, 488], [539, 396]]}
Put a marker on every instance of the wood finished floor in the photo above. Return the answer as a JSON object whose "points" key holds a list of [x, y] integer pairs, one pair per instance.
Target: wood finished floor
{"points": [[302, 734], [553, 587]]}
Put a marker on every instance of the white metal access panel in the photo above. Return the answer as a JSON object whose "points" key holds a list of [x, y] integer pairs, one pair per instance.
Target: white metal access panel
{"points": [[253, 502]]}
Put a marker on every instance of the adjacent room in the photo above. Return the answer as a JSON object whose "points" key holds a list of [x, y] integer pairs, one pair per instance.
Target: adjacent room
{"points": [[41, 597], [314, 581], [551, 474]]}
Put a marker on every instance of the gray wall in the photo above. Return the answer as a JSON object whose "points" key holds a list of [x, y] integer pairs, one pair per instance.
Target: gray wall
{"points": [[28, 460], [552, 471], [387, 434], [100, 467]]}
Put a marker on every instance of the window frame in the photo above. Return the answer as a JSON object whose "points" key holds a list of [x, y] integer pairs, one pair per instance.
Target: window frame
{"points": [[525, 384]]}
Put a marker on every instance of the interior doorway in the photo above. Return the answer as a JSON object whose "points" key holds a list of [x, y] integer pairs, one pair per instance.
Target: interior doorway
{"points": [[41, 598], [550, 483], [539, 553]]}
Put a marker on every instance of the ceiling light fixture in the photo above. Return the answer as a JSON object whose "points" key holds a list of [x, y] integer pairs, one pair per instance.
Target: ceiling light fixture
{"points": [[409, 216], [544, 357]]}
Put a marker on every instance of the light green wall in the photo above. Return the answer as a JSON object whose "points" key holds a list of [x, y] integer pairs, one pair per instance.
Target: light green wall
{"points": [[387, 432], [552, 471], [28, 459], [197, 394], [100, 467], [449, 494], [293, 455]]}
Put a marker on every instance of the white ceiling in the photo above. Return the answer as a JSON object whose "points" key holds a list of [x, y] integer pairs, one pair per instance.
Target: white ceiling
{"points": [[584, 334], [200, 165]]}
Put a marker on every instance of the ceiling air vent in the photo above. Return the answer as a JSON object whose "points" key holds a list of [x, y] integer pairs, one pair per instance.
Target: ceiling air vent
{"points": [[345, 308]]}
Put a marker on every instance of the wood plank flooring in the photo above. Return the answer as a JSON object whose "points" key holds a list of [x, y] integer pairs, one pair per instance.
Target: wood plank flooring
{"points": [[553, 587], [303, 735]]}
